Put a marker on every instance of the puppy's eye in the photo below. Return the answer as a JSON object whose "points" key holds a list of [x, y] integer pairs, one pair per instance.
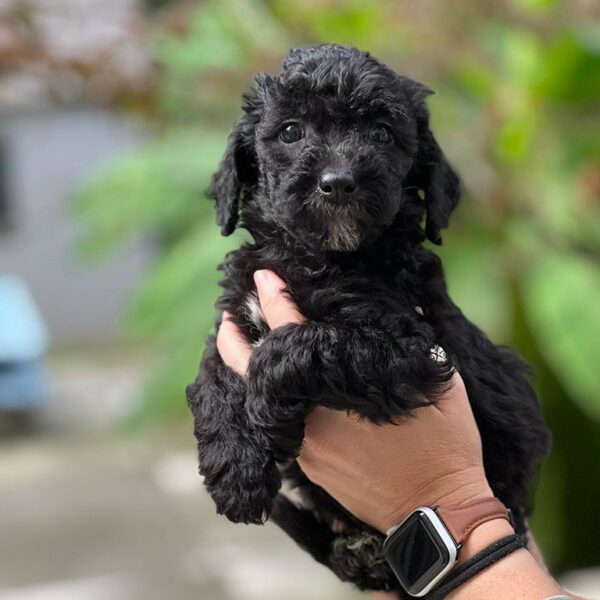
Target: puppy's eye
{"points": [[291, 133], [381, 134]]}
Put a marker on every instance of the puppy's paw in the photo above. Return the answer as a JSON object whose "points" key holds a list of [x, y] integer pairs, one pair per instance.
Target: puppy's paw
{"points": [[245, 493], [358, 557]]}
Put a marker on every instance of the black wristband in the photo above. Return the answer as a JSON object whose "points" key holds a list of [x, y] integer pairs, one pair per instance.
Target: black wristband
{"points": [[478, 563]]}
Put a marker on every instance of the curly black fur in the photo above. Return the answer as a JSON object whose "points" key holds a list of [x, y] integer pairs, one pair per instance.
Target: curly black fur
{"points": [[356, 267]]}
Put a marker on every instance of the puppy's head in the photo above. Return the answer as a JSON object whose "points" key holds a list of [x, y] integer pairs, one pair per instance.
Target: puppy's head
{"points": [[334, 150]]}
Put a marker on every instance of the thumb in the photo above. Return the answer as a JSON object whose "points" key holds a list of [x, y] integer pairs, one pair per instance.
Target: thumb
{"points": [[277, 307]]}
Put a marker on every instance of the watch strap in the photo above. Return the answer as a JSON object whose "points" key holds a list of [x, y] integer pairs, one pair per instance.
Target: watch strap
{"points": [[461, 520], [490, 555]]}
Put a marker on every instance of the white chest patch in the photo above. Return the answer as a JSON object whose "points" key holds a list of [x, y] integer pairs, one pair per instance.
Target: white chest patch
{"points": [[255, 315]]}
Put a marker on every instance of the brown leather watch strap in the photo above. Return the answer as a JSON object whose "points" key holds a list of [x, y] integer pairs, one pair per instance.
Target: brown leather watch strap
{"points": [[461, 520]]}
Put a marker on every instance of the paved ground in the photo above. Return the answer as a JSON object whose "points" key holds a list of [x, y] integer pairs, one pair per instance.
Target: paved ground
{"points": [[86, 514]]}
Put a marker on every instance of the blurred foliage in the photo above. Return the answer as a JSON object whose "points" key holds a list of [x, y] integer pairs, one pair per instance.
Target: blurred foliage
{"points": [[517, 113]]}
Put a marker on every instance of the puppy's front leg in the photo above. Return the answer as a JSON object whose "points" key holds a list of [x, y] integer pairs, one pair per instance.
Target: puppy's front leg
{"points": [[234, 455], [380, 374], [287, 375]]}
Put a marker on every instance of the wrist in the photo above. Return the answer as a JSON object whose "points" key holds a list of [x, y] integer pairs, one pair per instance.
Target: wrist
{"points": [[434, 542], [517, 575], [483, 536]]}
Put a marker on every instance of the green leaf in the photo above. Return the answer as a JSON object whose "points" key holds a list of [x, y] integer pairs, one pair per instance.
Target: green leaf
{"points": [[536, 5], [476, 282], [178, 295], [522, 55], [561, 295], [175, 309], [157, 188], [210, 42], [353, 22], [515, 137], [476, 78], [570, 71]]}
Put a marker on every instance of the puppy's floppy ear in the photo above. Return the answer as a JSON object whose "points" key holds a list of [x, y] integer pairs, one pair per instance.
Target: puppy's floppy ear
{"points": [[431, 171], [441, 187], [238, 171]]}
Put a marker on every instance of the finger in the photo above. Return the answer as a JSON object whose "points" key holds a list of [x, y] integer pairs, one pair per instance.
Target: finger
{"points": [[232, 346], [276, 306]]}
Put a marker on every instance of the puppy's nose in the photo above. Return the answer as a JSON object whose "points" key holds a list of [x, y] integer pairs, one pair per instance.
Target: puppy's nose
{"points": [[333, 182]]}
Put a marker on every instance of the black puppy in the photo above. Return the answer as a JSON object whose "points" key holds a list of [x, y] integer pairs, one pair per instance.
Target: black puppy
{"points": [[333, 168]]}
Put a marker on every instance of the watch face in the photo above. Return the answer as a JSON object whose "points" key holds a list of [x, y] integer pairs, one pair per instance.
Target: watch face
{"points": [[419, 552]]}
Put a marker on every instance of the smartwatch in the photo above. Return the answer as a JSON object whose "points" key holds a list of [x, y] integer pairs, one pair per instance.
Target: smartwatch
{"points": [[423, 549]]}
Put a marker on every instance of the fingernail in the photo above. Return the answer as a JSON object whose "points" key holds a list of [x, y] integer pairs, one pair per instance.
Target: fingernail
{"points": [[226, 315], [267, 281]]}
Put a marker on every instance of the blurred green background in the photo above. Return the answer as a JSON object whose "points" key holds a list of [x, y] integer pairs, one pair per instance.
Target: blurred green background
{"points": [[516, 111]]}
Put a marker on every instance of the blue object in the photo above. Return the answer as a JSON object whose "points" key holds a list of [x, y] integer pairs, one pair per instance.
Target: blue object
{"points": [[23, 344], [22, 385]]}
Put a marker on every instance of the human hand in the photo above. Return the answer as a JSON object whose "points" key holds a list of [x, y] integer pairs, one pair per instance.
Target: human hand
{"points": [[382, 473], [379, 473]]}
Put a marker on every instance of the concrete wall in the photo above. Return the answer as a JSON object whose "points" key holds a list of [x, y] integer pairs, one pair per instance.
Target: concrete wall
{"points": [[46, 156]]}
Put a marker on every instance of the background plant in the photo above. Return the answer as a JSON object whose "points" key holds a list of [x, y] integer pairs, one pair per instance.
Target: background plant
{"points": [[518, 87]]}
